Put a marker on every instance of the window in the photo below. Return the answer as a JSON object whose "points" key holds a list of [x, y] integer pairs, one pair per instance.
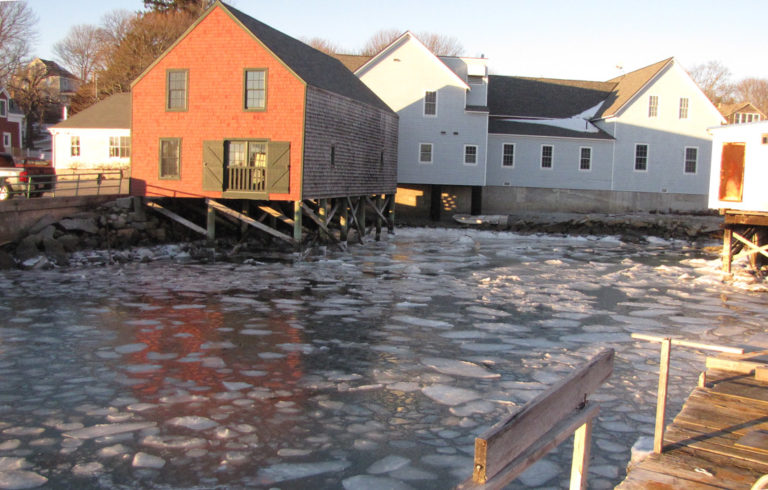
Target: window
{"points": [[585, 159], [653, 106], [176, 96], [74, 146], [3, 108], [475, 79], [333, 154], [691, 157], [470, 155], [508, 155], [425, 153], [546, 156], [430, 103], [765, 139], [170, 158], [119, 146], [683, 108], [7, 141], [641, 158], [255, 90]]}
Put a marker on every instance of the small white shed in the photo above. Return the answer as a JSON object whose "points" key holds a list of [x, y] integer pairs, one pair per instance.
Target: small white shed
{"points": [[737, 189], [739, 167], [98, 138]]}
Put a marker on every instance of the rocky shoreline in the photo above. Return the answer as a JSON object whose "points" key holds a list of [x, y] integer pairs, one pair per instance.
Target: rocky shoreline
{"points": [[120, 232]]}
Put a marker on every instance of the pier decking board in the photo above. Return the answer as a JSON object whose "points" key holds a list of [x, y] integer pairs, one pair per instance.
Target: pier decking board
{"points": [[718, 440]]}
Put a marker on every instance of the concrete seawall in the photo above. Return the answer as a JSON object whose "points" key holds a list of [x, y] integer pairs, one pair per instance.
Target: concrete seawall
{"points": [[17, 215]]}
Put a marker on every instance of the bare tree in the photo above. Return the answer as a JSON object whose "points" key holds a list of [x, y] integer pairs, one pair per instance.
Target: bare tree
{"points": [[439, 44], [79, 52], [380, 40], [190, 6], [17, 34], [714, 79], [753, 90], [29, 89], [320, 44]]}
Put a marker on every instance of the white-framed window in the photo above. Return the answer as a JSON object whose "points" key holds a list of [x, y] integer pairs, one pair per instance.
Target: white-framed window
{"points": [[683, 113], [508, 155], [585, 158], [653, 106], [470, 154], [691, 159], [430, 103], [119, 146], [641, 157], [3, 108], [74, 146], [425, 152], [547, 156], [7, 141]]}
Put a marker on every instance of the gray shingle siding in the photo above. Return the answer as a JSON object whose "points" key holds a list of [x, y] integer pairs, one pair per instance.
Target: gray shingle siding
{"points": [[358, 133]]}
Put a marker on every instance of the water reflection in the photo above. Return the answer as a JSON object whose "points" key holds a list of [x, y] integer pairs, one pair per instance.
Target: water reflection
{"points": [[371, 369]]}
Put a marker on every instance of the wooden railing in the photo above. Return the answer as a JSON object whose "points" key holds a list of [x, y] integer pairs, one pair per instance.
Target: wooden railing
{"points": [[246, 179], [508, 448], [661, 400]]}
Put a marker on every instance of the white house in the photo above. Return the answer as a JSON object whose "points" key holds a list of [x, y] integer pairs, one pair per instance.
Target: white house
{"points": [[442, 105], [739, 169], [637, 142], [98, 138], [11, 124]]}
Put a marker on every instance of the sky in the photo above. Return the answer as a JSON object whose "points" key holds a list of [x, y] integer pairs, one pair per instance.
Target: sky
{"points": [[586, 40]]}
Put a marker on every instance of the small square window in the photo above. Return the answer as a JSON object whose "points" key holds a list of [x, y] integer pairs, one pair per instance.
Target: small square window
{"points": [[74, 146], [546, 156], [470, 155], [176, 90], [119, 146], [170, 158], [255, 90], [585, 159], [430, 103], [641, 158], [508, 155], [653, 106], [691, 160], [7, 141], [425, 153]]}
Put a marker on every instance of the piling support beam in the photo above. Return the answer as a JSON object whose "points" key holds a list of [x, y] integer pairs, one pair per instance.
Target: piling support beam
{"points": [[297, 222], [211, 222]]}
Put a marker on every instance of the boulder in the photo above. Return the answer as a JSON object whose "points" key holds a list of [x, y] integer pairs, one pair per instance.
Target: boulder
{"points": [[41, 224], [55, 250], [27, 248], [87, 225], [6, 261]]}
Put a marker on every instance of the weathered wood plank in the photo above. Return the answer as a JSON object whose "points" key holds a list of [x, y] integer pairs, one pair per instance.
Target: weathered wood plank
{"points": [[642, 479], [240, 216], [557, 434], [701, 467], [276, 214], [175, 217], [757, 440], [512, 436], [717, 443]]}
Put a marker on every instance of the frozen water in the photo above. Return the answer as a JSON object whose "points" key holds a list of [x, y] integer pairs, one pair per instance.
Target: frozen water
{"points": [[373, 368], [13, 480]]}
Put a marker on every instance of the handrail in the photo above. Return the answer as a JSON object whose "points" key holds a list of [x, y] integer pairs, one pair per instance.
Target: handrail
{"points": [[508, 448], [97, 182], [661, 399]]}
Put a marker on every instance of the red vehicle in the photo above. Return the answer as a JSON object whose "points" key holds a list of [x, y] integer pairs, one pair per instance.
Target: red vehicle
{"points": [[27, 176]]}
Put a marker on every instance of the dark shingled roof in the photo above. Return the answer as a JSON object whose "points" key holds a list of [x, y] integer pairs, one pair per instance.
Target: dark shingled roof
{"points": [[314, 67], [114, 112], [498, 125], [544, 97]]}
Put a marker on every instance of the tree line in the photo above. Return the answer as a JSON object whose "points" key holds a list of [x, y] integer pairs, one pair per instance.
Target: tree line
{"points": [[109, 56], [715, 80]]}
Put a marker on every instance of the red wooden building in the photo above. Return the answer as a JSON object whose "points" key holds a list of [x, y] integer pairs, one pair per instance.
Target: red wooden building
{"points": [[247, 117], [10, 126]]}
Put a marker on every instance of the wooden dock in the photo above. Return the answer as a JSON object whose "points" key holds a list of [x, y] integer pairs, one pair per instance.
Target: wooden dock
{"points": [[720, 437]]}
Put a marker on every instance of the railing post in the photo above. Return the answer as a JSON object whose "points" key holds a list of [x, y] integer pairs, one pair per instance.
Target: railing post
{"points": [[582, 443], [661, 403]]}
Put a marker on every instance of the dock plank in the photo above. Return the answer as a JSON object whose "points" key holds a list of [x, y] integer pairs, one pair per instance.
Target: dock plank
{"points": [[718, 440]]}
